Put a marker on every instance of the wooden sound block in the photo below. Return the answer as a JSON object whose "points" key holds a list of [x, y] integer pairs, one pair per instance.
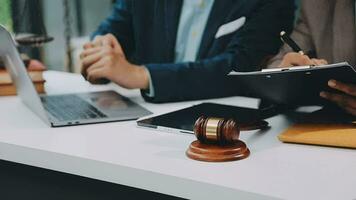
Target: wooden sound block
{"points": [[217, 153]]}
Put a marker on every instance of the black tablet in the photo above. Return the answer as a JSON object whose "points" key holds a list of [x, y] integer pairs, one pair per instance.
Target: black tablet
{"points": [[293, 86], [183, 120]]}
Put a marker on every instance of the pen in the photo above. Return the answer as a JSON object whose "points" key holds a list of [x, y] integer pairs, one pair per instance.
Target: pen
{"points": [[290, 42]]}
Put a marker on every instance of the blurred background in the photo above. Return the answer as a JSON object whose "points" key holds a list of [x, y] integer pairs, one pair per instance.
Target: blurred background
{"points": [[62, 19], [70, 22]]}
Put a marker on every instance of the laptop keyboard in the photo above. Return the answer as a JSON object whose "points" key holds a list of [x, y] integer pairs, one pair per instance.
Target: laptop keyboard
{"points": [[70, 107]]}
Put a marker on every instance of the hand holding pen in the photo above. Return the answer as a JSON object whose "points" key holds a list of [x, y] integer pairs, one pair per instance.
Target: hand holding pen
{"points": [[346, 95], [297, 57], [291, 43]]}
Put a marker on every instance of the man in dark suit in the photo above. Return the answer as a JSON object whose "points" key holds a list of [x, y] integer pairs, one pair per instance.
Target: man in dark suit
{"points": [[183, 49]]}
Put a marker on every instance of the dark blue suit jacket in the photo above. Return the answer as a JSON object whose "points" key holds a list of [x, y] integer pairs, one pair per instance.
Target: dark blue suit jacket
{"points": [[147, 31]]}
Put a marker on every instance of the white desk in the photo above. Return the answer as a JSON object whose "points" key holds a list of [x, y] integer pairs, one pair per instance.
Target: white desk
{"points": [[124, 154]]}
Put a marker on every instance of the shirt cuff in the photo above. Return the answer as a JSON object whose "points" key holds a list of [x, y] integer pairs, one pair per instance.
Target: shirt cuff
{"points": [[150, 92]]}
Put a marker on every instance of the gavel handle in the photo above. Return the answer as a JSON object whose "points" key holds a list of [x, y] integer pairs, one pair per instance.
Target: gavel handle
{"points": [[258, 125]]}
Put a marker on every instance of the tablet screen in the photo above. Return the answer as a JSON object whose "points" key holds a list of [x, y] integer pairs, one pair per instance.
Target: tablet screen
{"points": [[184, 119]]}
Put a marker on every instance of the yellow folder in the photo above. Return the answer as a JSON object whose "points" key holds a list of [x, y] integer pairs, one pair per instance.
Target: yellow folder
{"points": [[337, 135]]}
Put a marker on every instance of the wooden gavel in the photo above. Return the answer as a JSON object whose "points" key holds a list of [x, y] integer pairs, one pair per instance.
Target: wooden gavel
{"points": [[218, 140], [216, 130]]}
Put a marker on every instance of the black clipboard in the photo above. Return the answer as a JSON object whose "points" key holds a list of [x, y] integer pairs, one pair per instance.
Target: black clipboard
{"points": [[295, 85]]}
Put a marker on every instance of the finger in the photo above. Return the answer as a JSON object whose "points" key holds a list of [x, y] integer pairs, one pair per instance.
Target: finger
{"points": [[96, 66], [97, 42], [95, 75], [315, 62], [91, 59], [318, 62], [85, 71], [302, 60], [88, 45], [106, 40], [343, 101], [352, 111], [85, 64], [295, 59], [104, 62], [323, 61], [87, 68], [110, 40], [349, 89], [89, 51]]}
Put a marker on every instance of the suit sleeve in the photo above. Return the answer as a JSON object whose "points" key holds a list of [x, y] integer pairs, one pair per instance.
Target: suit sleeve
{"points": [[301, 35], [247, 50], [119, 23]]}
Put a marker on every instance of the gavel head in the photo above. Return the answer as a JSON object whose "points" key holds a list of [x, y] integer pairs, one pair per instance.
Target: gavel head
{"points": [[216, 130]]}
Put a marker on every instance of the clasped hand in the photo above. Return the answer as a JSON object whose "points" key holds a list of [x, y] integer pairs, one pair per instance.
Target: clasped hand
{"points": [[103, 58], [346, 99]]}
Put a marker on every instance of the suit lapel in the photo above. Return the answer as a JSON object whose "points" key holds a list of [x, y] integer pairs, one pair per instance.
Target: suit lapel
{"points": [[344, 32], [319, 24], [216, 19], [172, 11]]}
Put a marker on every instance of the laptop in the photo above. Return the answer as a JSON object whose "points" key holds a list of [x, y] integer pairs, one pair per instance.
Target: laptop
{"points": [[66, 109]]}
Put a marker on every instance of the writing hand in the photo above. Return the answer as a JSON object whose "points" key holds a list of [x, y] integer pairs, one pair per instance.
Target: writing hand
{"points": [[297, 59]]}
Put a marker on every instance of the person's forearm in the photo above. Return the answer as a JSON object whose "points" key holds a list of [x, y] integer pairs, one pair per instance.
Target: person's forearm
{"points": [[189, 81], [141, 77]]}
